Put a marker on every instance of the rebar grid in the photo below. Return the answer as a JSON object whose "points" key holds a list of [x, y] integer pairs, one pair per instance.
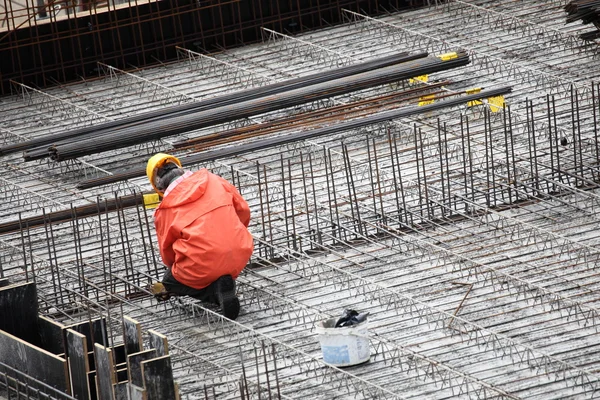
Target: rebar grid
{"points": [[438, 199], [235, 75], [165, 95], [467, 12], [319, 274], [304, 49], [19, 385], [549, 45], [9, 137], [362, 174], [409, 361], [425, 249], [540, 125], [493, 65], [309, 364], [47, 103]]}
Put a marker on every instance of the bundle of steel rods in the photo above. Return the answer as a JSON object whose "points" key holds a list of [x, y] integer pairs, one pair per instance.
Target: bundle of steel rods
{"points": [[588, 11], [280, 140], [161, 128], [309, 120], [73, 213], [229, 98]]}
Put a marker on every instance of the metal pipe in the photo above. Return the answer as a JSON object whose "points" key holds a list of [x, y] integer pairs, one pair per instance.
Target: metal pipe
{"points": [[229, 98], [343, 126], [73, 213], [222, 114]]}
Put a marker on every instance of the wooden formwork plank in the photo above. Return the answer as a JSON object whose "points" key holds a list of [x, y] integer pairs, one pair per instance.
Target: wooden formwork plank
{"points": [[121, 390], [78, 364], [134, 365], [94, 330], [159, 342], [19, 312], [34, 361], [158, 379], [51, 335], [132, 335], [105, 372]]}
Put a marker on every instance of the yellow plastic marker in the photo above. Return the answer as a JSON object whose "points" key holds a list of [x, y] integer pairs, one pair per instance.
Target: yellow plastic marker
{"points": [[448, 56], [151, 200], [473, 102], [496, 103], [427, 99], [420, 78]]}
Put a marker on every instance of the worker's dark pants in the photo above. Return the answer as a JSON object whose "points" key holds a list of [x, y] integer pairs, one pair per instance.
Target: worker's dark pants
{"points": [[177, 288]]}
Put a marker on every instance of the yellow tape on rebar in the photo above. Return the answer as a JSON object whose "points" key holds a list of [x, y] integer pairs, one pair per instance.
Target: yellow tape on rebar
{"points": [[473, 102], [151, 200], [427, 99], [448, 56], [496, 103], [420, 78]]}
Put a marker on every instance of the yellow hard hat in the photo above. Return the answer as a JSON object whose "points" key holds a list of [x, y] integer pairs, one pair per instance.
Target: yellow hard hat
{"points": [[155, 163]]}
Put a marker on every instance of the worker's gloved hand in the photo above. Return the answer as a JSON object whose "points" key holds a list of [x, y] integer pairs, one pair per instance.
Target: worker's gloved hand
{"points": [[159, 292], [163, 296]]}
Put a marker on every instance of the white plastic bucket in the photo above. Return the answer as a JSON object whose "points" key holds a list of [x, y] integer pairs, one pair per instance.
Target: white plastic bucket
{"points": [[345, 346]]}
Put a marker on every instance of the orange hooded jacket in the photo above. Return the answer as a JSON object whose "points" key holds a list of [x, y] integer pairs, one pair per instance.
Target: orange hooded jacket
{"points": [[201, 229]]}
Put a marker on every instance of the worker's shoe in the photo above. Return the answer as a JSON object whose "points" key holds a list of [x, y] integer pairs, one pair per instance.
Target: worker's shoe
{"points": [[225, 294], [159, 291]]}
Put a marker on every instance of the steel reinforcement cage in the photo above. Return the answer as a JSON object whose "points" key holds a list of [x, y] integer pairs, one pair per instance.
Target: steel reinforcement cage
{"points": [[48, 42]]}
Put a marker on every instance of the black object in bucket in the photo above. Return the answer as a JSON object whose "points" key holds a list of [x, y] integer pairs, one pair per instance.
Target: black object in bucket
{"points": [[350, 318]]}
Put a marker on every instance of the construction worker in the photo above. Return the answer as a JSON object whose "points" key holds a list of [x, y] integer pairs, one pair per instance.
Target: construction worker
{"points": [[201, 226]]}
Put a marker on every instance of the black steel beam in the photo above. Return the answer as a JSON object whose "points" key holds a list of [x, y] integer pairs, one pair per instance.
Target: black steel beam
{"points": [[74, 213], [174, 126], [206, 156], [229, 98]]}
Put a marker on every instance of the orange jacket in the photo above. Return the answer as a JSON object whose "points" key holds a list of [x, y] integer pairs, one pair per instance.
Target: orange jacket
{"points": [[201, 229]]}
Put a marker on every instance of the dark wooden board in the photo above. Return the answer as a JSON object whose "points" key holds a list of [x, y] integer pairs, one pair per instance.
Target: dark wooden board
{"points": [[34, 361], [94, 331], [134, 365], [159, 342], [105, 372], [78, 364], [19, 312], [121, 390], [158, 379], [51, 335], [100, 332], [132, 335]]}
